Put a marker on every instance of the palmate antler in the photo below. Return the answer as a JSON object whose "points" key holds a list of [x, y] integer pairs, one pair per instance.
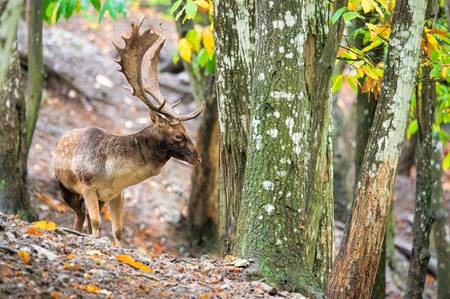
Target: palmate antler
{"points": [[131, 57]]}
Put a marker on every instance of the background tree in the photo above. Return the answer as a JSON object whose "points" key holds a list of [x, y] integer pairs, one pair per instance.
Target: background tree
{"points": [[354, 271], [9, 18], [18, 114]]}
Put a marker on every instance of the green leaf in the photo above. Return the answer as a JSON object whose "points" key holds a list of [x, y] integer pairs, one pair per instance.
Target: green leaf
{"points": [[211, 66], [338, 80], [176, 57], [193, 37], [70, 6], [446, 162], [96, 4], [203, 57], [412, 129], [350, 15], [191, 9], [337, 14], [175, 6]]}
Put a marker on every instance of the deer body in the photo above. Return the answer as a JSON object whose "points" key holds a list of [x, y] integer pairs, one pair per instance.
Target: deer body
{"points": [[93, 167], [109, 162]]}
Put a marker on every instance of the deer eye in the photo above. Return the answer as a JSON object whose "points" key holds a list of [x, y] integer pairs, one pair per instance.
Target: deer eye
{"points": [[178, 137]]}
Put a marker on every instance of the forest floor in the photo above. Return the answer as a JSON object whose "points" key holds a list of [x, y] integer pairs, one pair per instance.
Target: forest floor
{"points": [[155, 210], [46, 262]]}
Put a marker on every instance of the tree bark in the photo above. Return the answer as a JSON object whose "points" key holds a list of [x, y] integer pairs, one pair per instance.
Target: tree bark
{"points": [[234, 32], [354, 271], [423, 211], [35, 67], [14, 197], [441, 230], [10, 11], [286, 217], [202, 209]]}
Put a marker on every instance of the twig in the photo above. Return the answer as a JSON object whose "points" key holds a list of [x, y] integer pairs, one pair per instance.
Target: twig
{"points": [[69, 230], [8, 249]]}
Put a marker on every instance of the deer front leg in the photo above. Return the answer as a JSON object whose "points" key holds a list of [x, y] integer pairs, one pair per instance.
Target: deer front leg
{"points": [[116, 210], [91, 202]]}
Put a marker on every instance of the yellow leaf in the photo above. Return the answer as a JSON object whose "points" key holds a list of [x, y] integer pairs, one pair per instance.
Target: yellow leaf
{"points": [[367, 5], [354, 5], [208, 40], [34, 231], [432, 40], [25, 256], [70, 256], [203, 5], [369, 71], [185, 49], [90, 287], [125, 258], [44, 225]]}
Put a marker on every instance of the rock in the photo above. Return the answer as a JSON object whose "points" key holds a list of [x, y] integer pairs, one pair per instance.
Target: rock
{"points": [[41, 251]]}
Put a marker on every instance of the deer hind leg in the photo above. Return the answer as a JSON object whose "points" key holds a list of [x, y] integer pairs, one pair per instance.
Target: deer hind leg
{"points": [[116, 210], [75, 201], [92, 205], [88, 220]]}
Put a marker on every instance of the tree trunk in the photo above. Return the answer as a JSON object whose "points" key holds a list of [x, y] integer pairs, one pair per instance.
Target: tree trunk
{"points": [[424, 181], [234, 32], [35, 67], [202, 210], [354, 271], [14, 196], [10, 11], [441, 231], [202, 204], [286, 216]]}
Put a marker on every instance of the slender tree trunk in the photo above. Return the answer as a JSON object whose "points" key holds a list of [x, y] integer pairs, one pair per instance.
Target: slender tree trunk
{"points": [[441, 231], [35, 66], [354, 271], [202, 204], [423, 218], [234, 32], [202, 210], [286, 216], [423, 211], [10, 11], [14, 196]]}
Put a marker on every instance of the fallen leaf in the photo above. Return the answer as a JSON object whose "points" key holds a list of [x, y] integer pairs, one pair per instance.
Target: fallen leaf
{"points": [[125, 258], [106, 213], [90, 288], [44, 225], [70, 256], [51, 202], [72, 266], [34, 231], [55, 294], [229, 257], [25, 256]]}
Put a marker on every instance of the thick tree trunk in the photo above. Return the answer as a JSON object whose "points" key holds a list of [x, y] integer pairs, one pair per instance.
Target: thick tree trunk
{"points": [[354, 271], [286, 216], [14, 196], [441, 231], [234, 32], [35, 66], [10, 11]]}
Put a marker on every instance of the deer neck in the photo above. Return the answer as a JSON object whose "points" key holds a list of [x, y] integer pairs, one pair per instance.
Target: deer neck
{"points": [[137, 157]]}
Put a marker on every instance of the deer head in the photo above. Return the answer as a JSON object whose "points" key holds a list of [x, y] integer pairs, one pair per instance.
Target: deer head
{"points": [[162, 114]]}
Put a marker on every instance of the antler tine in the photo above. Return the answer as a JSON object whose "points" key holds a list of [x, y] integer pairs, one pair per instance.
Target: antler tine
{"points": [[131, 57]]}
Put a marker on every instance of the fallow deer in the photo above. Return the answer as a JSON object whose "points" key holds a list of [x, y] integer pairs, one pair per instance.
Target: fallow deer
{"points": [[93, 167]]}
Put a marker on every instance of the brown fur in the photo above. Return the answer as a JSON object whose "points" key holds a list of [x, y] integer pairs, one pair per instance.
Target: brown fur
{"points": [[92, 165]]}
